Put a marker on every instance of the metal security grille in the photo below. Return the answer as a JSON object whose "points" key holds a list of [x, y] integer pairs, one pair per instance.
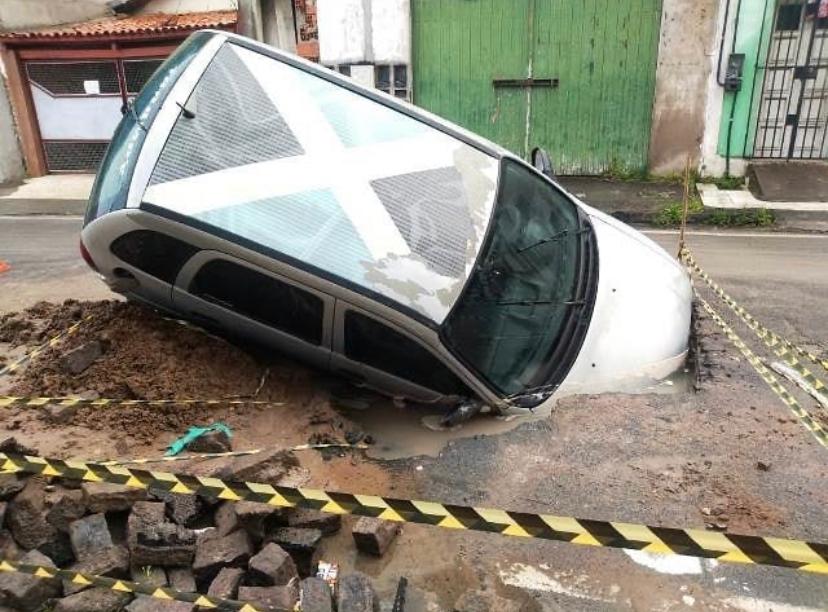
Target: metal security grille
{"points": [[79, 103], [75, 78], [78, 156], [138, 72], [793, 112]]}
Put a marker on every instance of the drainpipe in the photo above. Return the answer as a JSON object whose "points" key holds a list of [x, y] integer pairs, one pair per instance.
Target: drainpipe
{"points": [[730, 119]]}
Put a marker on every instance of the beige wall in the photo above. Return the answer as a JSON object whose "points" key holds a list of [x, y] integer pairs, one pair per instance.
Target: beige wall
{"points": [[688, 37], [16, 14], [188, 6], [11, 162]]}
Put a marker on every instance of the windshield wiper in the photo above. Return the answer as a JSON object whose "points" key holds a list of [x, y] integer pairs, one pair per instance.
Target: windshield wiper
{"points": [[555, 237]]}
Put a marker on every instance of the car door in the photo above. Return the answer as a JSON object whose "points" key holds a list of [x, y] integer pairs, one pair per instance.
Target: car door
{"points": [[223, 291], [380, 355]]}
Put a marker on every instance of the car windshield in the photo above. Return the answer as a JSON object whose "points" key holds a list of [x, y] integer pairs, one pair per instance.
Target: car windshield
{"points": [[507, 323]]}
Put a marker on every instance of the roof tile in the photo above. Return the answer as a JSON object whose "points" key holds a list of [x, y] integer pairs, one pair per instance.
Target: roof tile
{"points": [[156, 23]]}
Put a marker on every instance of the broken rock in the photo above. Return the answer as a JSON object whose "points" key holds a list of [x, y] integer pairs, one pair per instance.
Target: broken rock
{"points": [[28, 593], [327, 523], [184, 510], [356, 594], [374, 536], [11, 445], [273, 597], [269, 467], [258, 518], [8, 547], [93, 600], [10, 485], [301, 544], [113, 562], [225, 519], [226, 583], [232, 550], [27, 517], [315, 596], [272, 566], [59, 414], [78, 359], [65, 506], [106, 497], [153, 541], [181, 579], [89, 536], [215, 441]]}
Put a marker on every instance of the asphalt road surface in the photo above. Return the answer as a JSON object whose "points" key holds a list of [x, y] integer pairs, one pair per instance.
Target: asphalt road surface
{"points": [[782, 278], [789, 270]]}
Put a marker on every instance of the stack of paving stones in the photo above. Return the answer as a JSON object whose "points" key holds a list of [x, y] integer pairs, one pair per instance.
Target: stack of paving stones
{"points": [[247, 551]]}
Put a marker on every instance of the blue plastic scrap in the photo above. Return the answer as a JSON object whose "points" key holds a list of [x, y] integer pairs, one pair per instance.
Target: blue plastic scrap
{"points": [[194, 433]]}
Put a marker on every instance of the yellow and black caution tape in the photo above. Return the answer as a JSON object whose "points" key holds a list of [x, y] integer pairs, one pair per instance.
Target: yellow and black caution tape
{"points": [[806, 556], [780, 345], [240, 453], [9, 401], [803, 415], [20, 362], [125, 586]]}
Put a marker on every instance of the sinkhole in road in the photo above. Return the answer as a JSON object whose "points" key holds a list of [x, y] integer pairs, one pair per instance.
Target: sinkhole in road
{"points": [[408, 430]]}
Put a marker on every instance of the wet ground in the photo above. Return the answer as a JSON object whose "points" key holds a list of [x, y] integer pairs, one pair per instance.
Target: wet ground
{"points": [[680, 458]]}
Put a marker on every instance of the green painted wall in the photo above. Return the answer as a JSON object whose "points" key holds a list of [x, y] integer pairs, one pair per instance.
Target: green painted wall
{"points": [[602, 51], [755, 26]]}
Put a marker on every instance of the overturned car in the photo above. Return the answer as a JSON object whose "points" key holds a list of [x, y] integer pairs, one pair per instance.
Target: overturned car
{"points": [[251, 191]]}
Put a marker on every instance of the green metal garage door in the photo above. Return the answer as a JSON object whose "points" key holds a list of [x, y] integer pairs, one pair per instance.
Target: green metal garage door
{"points": [[574, 76]]}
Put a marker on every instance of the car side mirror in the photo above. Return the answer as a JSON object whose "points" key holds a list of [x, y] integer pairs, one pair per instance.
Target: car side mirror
{"points": [[542, 163]]}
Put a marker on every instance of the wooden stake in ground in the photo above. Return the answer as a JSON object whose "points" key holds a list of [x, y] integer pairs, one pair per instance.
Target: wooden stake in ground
{"points": [[686, 205]]}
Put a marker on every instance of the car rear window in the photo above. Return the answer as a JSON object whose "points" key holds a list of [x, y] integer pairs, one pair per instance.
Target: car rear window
{"points": [[370, 342], [152, 252], [262, 298]]}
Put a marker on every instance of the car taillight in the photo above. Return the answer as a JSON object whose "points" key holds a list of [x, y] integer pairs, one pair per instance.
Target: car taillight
{"points": [[87, 257]]}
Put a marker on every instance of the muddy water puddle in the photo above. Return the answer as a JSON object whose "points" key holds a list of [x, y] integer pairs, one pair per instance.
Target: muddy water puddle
{"points": [[408, 430]]}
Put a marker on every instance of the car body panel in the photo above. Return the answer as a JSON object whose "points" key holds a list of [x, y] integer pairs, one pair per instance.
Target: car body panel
{"points": [[639, 328], [396, 280]]}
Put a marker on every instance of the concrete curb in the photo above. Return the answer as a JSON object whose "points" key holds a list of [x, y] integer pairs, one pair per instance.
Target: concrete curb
{"points": [[27, 207]]}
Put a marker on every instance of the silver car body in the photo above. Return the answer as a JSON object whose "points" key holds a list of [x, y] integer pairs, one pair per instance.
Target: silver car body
{"points": [[367, 204]]}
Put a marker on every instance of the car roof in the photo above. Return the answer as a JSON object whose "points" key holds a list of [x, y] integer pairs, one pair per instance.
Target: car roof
{"points": [[306, 164]]}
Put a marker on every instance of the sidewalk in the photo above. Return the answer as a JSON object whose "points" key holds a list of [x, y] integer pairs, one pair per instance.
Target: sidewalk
{"points": [[54, 194], [646, 203]]}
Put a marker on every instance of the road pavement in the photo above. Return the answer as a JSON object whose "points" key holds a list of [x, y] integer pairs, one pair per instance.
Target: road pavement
{"points": [[782, 279]]}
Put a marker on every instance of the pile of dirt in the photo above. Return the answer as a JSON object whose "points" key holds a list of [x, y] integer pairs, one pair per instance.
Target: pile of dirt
{"points": [[127, 351]]}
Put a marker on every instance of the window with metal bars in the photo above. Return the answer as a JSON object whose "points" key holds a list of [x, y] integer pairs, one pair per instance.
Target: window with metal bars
{"points": [[392, 79], [75, 78]]}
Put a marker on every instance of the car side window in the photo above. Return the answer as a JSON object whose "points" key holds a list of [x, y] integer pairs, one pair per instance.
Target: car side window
{"points": [[370, 342], [155, 253], [262, 298]]}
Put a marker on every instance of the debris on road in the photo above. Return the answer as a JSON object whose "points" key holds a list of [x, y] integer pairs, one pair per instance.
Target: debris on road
{"points": [[374, 536], [214, 438]]}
